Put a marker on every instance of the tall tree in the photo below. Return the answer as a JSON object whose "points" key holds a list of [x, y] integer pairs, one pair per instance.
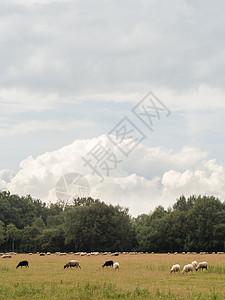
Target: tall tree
{"points": [[99, 227], [13, 234], [2, 233], [29, 239]]}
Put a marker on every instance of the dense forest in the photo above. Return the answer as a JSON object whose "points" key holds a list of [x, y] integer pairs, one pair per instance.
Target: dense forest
{"points": [[196, 223]]}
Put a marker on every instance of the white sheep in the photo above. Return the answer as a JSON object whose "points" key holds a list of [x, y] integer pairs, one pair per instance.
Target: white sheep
{"points": [[188, 268], [116, 266], [194, 263], [6, 256], [72, 264], [175, 268], [202, 265]]}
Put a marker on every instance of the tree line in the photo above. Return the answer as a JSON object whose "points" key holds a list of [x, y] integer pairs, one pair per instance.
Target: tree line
{"points": [[27, 225]]}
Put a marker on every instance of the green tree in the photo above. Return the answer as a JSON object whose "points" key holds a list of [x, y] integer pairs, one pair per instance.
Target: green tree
{"points": [[39, 222], [176, 230], [52, 240], [13, 234], [29, 239], [54, 221], [219, 231], [152, 231], [99, 227], [2, 233], [202, 220]]}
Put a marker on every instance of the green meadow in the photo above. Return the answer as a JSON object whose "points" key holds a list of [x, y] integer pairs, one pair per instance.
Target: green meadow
{"points": [[142, 276]]}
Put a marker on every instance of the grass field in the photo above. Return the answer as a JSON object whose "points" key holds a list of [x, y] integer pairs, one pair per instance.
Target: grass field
{"points": [[143, 276]]}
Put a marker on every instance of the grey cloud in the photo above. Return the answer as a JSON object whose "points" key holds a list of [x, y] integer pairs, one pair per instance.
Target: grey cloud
{"points": [[70, 47]]}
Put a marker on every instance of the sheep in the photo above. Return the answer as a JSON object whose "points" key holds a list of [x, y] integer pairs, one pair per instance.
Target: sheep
{"points": [[115, 254], [6, 256], [108, 263], [175, 268], [116, 266], [187, 268], [194, 263], [23, 263], [72, 263], [202, 265]]}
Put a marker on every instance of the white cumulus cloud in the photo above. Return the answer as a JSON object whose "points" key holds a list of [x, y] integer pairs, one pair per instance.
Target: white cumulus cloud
{"points": [[150, 176]]}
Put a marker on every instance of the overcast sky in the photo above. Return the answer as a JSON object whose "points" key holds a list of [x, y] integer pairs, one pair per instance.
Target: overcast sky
{"points": [[71, 71]]}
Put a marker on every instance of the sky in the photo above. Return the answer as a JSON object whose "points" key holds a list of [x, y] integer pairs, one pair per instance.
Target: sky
{"points": [[125, 99]]}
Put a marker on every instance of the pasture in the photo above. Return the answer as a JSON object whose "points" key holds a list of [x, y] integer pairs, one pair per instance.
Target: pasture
{"points": [[142, 276]]}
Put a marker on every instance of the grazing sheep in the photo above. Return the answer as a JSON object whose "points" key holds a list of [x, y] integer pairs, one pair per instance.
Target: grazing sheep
{"points": [[188, 268], [108, 263], [175, 268], [202, 265], [116, 266], [194, 263], [23, 263], [115, 254], [6, 256], [72, 263]]}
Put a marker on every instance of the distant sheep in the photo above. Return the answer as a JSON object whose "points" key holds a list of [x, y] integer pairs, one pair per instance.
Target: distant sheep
{"points": [[116, 266], [175, 268], [115, 254], [72, 264], [194, 263], [6, 256], [202, 265], [108, 263], [188, 268], [23, 263]]}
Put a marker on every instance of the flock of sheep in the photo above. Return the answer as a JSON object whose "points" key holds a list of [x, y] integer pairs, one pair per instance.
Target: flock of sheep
{"points": [[72, 264], [190, 267], [109, 263]]}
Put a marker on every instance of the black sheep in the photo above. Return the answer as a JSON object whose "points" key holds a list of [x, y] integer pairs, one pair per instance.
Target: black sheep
{"points": [[108, 263], [23, 263]]}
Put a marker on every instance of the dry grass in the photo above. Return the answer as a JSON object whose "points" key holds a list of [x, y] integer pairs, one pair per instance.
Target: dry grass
{"points": [[143, 276]]}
